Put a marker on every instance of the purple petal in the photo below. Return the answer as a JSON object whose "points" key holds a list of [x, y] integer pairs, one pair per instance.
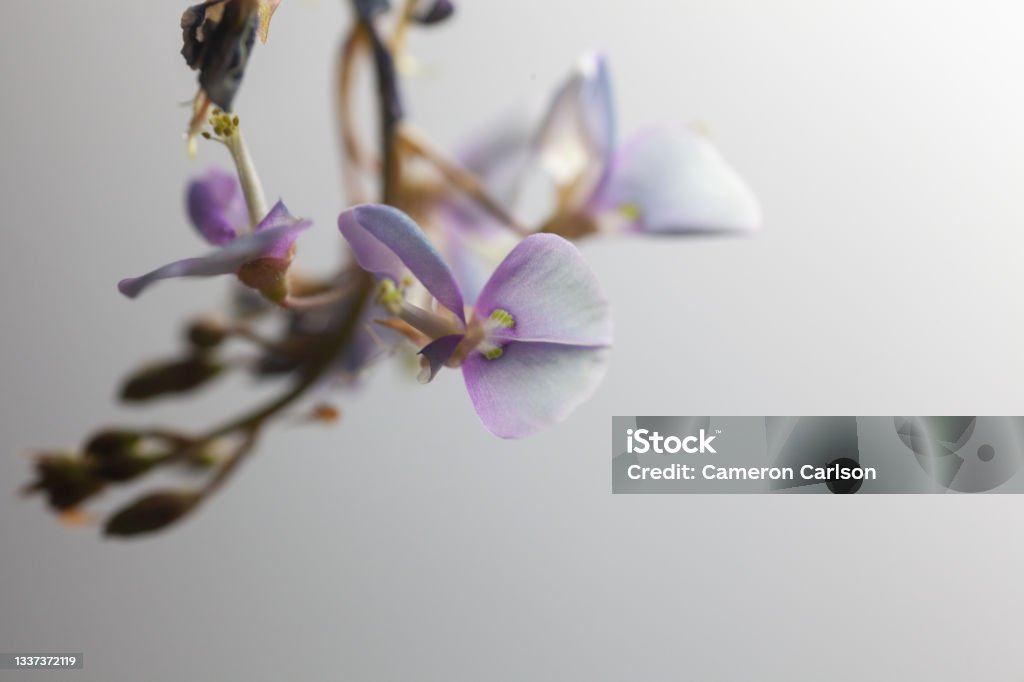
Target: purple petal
{"points": [[279, 217], [437, 353], [551, 294], [523, 164], [266, 243], [385, 239], [216, 206], [532, 385], [673, 180], [578, 134]]}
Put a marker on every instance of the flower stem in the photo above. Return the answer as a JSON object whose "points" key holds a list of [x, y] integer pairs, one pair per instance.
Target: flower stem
{"points": [[252, 188], [430, 323], [402, 27], [316, 301], [355, 158], [249, 424], [323, 360], [464, 179]]}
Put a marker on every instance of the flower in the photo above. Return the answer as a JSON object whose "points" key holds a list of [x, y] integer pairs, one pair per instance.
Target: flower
{"points": [[535, 343], [672, 180], [260, 258], [667, 179]]}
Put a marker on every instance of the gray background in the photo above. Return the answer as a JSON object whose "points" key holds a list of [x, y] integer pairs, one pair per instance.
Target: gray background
{"points": [[885, 141]]}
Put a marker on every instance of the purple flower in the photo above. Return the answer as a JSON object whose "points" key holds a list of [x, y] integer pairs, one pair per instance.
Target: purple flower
{"points": [[216, 206], [577, 135], [535, 343], [260, 258], [665, 180], [672, 180]]}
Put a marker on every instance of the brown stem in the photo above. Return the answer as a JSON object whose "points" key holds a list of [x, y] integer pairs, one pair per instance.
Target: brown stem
{"points": [[463, 179], [229, 467], [355, 158], [315, 301], [402, 27], [326, 356]]}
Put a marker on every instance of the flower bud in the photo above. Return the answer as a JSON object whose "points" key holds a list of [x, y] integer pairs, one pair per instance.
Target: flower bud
{"points": [[113, 443], [206, 333], [438, 11], [66, 480], [151, 512], [177, 376]]}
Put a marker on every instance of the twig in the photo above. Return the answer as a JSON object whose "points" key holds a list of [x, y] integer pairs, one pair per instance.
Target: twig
{"points": [[463, 179], [354, 156]]}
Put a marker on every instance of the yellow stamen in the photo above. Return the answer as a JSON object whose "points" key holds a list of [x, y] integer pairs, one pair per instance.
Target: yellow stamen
{"points": [[502, 318]]}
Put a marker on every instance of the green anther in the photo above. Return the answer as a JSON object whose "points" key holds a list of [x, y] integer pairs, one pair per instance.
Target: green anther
{"points": [[389, 296], [503, 318], [630, 211], [493, 354], [224, 125]]}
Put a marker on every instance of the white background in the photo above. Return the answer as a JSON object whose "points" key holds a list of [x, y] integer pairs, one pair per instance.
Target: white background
{"points": [[885, 142]]}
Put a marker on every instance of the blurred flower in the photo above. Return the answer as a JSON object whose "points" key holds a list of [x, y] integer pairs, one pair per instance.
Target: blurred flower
{"points": [[260, 259], [536, 341], [216, 206], [666, 180], [672, 180]]}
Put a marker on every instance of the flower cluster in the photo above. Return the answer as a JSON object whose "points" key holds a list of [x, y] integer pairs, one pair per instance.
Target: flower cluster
{"points": [[465, 260]]}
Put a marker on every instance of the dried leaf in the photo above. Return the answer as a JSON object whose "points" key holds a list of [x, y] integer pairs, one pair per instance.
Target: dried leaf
{"points": [[266, 11]]}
